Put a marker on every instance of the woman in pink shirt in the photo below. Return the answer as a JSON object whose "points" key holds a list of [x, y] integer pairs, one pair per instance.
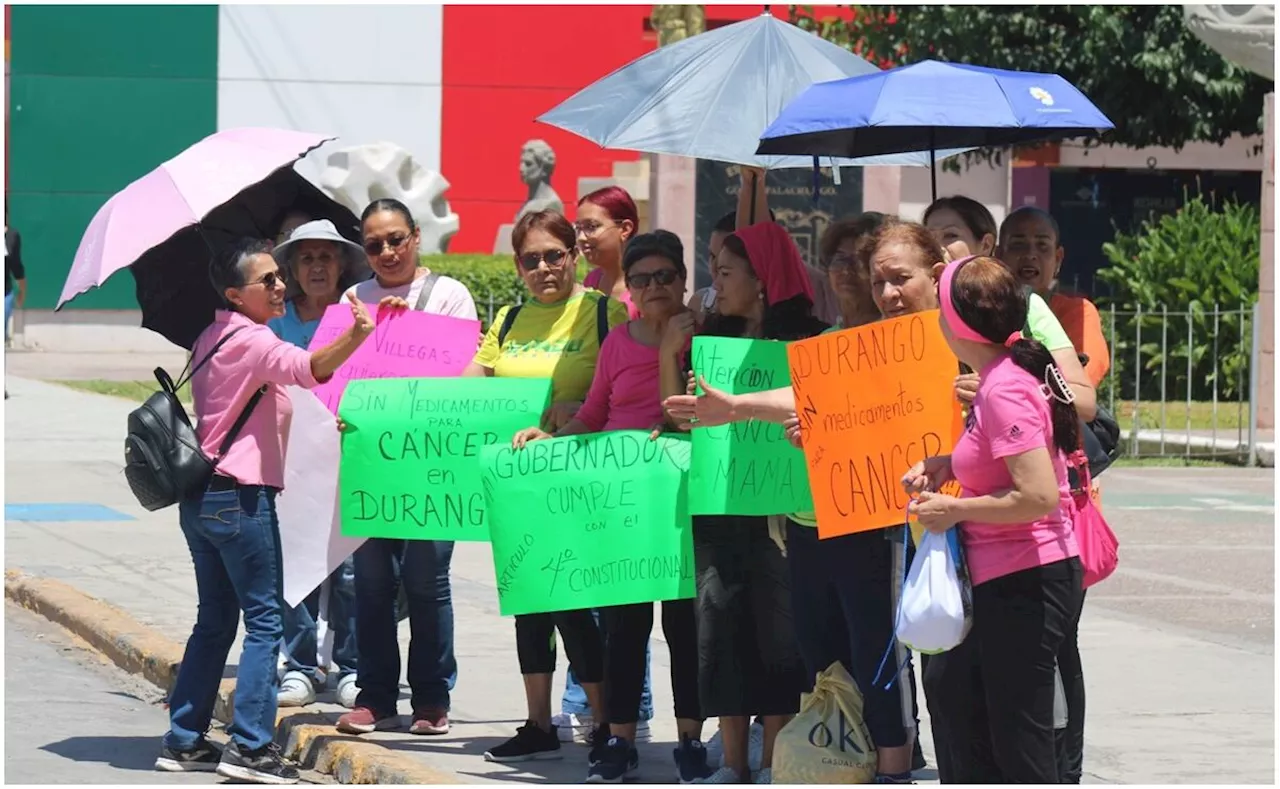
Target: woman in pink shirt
{"points": [[626, 394], [607, 219], [995, 691], [231, 528]]}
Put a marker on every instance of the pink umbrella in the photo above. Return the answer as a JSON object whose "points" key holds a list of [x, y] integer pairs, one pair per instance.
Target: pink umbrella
{"points": [[148, 217]]}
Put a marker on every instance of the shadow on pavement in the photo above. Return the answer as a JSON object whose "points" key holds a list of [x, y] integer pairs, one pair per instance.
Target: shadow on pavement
{"points": [[122, 753]]}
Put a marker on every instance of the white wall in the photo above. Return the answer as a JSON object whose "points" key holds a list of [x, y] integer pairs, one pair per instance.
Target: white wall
{"points": [[987, 184], [1237, 153], [367, 73]]}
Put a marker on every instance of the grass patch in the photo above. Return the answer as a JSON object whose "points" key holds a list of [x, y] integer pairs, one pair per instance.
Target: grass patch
{"points": [[137, 391], [1231, 416], [1169, 462]]}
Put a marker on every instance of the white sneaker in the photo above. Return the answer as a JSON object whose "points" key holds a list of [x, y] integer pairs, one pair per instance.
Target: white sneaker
{"points": [[755, 747], [572, 727], [347, 691], [725, 775], [764, 776], [296, 690]]}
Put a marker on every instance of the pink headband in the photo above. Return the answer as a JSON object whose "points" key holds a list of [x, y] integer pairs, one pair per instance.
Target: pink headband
{"points": [[957, 325]]}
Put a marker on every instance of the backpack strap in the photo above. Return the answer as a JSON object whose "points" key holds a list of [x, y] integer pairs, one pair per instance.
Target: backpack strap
{"points": [[428, 285], [602, 319], [240, 423], [186, 376], [508, 321]]}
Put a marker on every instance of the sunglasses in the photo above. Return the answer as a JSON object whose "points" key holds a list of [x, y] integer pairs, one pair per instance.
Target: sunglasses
{"points": [[375, 246], [664, 276], [269, 280], [841, 262], [554, 258]]}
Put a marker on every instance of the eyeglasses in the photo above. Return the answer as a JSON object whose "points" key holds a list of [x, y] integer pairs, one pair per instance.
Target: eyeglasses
{"points": [[664, 276], [589, 229], [270, 280], [375, 246], [554, 258], [841, 262]]}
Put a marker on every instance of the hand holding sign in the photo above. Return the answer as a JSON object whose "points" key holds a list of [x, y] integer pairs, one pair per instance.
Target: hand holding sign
{"points": [[361, 323]]}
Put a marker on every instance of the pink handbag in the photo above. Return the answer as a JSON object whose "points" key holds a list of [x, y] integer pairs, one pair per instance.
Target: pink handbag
{"points": [[1099, 548]]}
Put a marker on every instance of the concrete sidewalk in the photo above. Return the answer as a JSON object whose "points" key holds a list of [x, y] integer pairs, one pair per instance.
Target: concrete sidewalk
{"points": [[1165, 706]]}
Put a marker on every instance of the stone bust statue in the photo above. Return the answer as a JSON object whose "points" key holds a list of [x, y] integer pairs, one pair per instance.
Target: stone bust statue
{"points": [[537, 163]]}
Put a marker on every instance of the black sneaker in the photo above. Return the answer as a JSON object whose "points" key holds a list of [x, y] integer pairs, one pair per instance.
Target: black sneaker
{"points": [[598, 739], [691, 761], [530, 744], [618, 759], [203, 758], [262, 766]]}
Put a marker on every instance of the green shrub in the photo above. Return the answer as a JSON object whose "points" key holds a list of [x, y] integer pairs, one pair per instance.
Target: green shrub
{"points": [[1195, 260], [492, 279]]}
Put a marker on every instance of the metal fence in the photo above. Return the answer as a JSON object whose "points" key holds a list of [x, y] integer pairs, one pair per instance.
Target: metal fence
{"points": [[1181, 383]]}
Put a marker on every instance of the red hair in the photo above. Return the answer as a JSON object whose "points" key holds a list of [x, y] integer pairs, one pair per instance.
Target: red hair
{"points": [[617, 203]]}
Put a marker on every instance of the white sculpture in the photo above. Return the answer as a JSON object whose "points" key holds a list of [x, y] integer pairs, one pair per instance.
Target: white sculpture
{"points": [[358, 175]]}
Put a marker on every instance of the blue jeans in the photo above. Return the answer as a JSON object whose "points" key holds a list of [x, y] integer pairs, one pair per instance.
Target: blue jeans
{"points": [[574, 701], [234, 539], [300, 644], [433, 670]]}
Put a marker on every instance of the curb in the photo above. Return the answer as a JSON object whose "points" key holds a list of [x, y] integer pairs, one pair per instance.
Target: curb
{"points": [[307, 738]]}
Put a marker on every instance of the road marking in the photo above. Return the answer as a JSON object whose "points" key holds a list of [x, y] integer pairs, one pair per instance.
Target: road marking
{"points": [[1228, 504]]}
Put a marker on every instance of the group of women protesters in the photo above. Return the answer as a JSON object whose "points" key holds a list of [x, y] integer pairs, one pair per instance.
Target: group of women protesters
{"points": [[774, 604]]}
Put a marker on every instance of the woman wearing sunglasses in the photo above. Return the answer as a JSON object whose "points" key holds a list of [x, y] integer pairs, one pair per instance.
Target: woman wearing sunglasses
{"points": [[231, 527], [391, 245], [625, 394], [556, 334]]}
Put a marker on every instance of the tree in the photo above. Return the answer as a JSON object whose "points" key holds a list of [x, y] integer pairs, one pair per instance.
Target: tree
{"points": [[1140, 65]]}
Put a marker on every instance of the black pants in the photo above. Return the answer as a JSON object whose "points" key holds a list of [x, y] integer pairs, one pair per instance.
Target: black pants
{"points": [[627, 631], [1070, 741], [992, 696], [583, 643], [748, 660], [843, 601]]}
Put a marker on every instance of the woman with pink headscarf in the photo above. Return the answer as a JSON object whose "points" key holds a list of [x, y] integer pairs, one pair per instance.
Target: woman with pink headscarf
{"points": [[749, 663]]}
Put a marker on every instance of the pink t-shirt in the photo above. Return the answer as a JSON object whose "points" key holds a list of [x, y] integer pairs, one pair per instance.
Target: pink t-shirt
{"points": [[223, 386], [1011, 416], [626, 390], [592, 280]]}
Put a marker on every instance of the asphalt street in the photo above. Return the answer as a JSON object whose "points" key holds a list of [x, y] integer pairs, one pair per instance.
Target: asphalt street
{"points": [[72, 718]]}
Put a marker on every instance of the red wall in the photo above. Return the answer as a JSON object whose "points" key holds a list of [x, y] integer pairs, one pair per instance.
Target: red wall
{"points": [[505, 65]]}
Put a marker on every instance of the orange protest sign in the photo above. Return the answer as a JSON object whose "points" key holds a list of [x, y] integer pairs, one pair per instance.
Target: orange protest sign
{"points": [[872, 401]]}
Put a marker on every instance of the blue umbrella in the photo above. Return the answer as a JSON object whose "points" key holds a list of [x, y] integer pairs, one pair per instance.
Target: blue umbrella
{"points": [[709, 96], [928, 106]]}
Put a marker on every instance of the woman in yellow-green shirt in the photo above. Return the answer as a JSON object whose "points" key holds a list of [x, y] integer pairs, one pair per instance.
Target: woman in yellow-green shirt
{"points": [[555, 334]]}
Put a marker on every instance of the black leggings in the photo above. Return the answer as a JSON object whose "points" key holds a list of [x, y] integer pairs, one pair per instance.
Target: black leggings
{"points": [[1070, 741], [583, 643], [991, 698], [627, 631]]}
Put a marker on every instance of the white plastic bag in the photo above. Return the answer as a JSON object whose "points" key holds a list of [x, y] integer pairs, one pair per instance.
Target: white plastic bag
{"points": [[932, 617]]}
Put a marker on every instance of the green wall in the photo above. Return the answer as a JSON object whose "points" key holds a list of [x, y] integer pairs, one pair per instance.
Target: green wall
{"points": [[99, 95]]}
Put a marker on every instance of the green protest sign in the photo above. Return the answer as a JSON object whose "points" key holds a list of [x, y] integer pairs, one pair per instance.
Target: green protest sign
{"points": [[589, 521], [745, 468], [411, 448]]}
